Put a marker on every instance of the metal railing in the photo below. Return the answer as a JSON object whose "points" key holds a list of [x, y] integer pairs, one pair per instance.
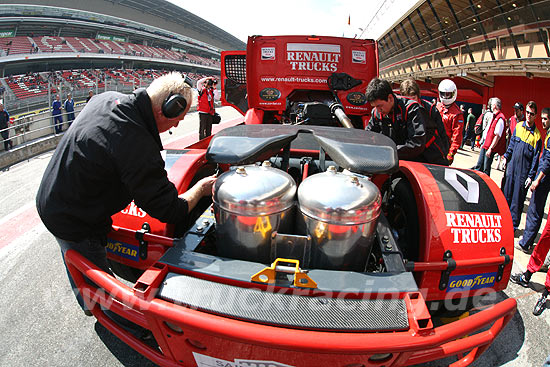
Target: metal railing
{"points": [[16, 105], [33, 127]]}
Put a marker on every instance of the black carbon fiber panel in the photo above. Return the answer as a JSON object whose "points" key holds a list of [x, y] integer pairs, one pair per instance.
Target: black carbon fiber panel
{"points": [[283, 309]]}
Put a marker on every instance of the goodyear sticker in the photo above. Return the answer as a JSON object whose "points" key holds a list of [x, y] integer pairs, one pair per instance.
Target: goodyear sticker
{"points": [[123, 249], [471, 282]]}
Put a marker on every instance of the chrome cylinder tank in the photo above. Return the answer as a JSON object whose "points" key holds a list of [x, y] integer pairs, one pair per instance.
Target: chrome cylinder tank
{"points": [[250, 203], [339, 211]]}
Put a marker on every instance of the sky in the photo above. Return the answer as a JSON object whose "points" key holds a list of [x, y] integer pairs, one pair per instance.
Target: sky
{"points": [[244, 18]]}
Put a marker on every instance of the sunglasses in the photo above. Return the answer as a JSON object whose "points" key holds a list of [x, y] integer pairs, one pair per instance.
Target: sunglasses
{"points": [[530, 113]]}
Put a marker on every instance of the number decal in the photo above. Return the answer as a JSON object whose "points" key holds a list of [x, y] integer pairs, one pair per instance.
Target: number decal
{"points": [[470, 193]]}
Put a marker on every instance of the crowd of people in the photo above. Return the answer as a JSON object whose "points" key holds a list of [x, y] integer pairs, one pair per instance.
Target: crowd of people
{"points": [[433, 132]]}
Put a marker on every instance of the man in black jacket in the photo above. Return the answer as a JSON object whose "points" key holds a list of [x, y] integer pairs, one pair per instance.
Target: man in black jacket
{"points": [[398, 118], [4, 131], [437, 142], [109, 157]]}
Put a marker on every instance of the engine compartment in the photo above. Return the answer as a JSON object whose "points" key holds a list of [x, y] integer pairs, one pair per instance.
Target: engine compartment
{"points": [[299, 203], [349, 237]]}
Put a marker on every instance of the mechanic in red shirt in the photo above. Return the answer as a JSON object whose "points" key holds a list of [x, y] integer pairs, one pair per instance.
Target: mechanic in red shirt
{"points": [[451, 115]]}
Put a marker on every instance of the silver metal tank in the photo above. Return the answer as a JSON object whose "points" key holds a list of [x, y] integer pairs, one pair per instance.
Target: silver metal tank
{"points": [[250, 203], [339, 212]]}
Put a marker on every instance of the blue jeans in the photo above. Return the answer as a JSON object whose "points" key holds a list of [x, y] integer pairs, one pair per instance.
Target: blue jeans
{"points": [[58, 123], [484, 163], [92, 249]]}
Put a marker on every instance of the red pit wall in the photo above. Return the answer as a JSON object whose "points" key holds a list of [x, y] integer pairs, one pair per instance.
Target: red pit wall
{"points": [[512, 89]]}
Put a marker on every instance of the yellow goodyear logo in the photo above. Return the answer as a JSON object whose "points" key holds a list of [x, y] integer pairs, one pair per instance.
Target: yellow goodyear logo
{"points": [[470, 282], [123, 249]]}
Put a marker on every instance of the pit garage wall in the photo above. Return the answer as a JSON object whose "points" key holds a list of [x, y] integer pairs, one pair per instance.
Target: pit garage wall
{"points": [[512, 89]]}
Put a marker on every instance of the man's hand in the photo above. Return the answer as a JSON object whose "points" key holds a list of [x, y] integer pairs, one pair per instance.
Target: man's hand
{"points": [[503, 163], [528, 182], [202, 188], [450, 158], [488, 153], [205, 185], [535, 184]]}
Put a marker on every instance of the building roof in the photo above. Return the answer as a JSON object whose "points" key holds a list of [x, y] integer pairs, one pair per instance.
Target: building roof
{"points": [[173, 13]]}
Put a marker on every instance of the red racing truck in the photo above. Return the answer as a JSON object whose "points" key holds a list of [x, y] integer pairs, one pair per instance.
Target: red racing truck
{"points": [[319, 247]]}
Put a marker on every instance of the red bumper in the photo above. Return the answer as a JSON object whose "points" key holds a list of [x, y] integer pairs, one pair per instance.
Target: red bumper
{"points": [[183, 334]]}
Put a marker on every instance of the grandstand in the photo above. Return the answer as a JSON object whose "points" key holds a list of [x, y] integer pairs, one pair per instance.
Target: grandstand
{"points": [[48, 48]]}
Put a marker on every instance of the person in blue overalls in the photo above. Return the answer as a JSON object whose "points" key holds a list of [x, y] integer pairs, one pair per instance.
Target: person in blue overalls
{"points": [[56, 113], [540, 188], [522, 158], [68, 105]]}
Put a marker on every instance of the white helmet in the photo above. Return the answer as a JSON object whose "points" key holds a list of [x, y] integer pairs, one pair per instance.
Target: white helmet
{"points": [[447, 91]]}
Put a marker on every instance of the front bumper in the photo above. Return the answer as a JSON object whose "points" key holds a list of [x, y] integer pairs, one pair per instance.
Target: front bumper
{"points": [[186, 335]]}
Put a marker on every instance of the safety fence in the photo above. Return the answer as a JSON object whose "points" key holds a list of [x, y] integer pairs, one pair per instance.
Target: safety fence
{"points": [[34, 127]]}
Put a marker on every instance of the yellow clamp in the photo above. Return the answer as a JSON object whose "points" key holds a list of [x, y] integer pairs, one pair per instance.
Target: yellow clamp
{"points": [[268, 275]]}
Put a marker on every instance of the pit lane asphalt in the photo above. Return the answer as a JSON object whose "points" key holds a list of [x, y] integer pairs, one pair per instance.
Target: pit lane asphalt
{"points": [[41, 323]]}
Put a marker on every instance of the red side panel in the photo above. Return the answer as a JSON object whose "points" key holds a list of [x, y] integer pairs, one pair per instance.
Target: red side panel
{"points": [[462, 214], [277, 66], [124, 248], [254, 116]]}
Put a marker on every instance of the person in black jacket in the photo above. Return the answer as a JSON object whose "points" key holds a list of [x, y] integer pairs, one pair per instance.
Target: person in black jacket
{"points": [[110, 156], [398, 118], [437, 142], [4, 131]]}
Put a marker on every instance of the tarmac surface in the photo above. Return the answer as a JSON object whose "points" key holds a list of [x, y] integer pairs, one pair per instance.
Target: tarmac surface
{"points": [[42, 324]]}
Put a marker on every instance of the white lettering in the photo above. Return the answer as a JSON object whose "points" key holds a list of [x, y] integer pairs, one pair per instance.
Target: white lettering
{"points": [[455, 232], [451, 219]]}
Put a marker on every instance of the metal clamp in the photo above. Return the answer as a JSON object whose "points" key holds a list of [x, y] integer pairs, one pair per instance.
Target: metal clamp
{"points": [[445, 274], [145, 228], [269, 274], [503, 265]]}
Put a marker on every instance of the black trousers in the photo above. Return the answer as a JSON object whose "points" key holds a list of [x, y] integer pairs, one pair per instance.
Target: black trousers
{"points": [[7, 142], [205, 125]]}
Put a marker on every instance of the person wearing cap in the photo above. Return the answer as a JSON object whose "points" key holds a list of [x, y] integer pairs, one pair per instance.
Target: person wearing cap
{"points": [[451, 115], [110, 156], [510, 128], [68, 106], [516, 117], [522, 158], [540, 189]]}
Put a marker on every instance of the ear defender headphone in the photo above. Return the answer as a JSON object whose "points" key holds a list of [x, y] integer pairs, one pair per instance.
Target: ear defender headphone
{"points": [[175, 104]]}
